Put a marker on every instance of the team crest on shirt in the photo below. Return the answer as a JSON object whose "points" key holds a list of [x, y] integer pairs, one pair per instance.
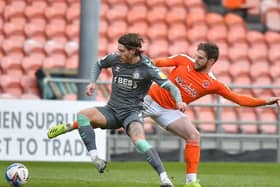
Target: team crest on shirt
{"points": [[117, 69], [162, 75], [136, 75], [205, 84]]}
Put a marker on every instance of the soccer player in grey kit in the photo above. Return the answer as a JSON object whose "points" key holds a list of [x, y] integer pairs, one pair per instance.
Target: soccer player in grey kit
{"points": [[133, 74]]}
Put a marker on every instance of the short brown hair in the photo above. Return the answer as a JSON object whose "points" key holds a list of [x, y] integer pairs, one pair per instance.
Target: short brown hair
{"points": [[211, 50], [132, 41]]}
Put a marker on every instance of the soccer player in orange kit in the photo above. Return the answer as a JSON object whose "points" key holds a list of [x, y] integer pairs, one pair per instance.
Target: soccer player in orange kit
{"points": [[194, 79]]}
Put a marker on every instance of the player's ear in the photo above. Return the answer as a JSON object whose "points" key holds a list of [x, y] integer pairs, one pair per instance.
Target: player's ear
{"points": [[212, 61]]}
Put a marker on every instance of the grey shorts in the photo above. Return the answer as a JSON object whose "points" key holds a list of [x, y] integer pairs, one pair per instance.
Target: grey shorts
{"points": [[116, 120]]}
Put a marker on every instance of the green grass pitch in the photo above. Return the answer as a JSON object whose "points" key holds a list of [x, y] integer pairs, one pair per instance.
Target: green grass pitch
{"points": [[140, 174]]}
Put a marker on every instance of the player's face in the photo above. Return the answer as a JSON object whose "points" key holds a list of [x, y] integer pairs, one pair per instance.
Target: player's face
{"points": [[200, 61], [125, 54]]}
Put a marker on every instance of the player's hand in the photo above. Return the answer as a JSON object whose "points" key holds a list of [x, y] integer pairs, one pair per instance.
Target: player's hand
{"points": [[90, 88], [272, 100], [182, 106]]}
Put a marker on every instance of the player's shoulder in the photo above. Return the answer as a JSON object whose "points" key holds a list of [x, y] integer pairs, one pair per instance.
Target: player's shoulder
{"points": [[182, 57], [147, 61]]}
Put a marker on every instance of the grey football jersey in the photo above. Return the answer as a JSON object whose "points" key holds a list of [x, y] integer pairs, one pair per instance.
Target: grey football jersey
{"points": [[130, 82]]}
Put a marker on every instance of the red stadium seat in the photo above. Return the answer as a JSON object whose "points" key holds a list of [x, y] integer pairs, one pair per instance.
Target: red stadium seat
{"points": [[11, 28], [2, 6], [272, 37], [194, 36], [14, 9], [175, 3], [31, 64], [213, 19], [271, 18], [258, 51], [116, 29], [177, 14], [157, 14], [36, 29], [54, 47], [177, 31], [274, 70], [12, 65], [73, 31], [243, 80], [223, 49], [118, 12], [263, 80], [102, 46], [259, 68], [72, 62], [236, 33], [207, 119], [195, 19], [158, 31], [73, 12], [103, 27], [178, 47], [56, 29], [104, 8], [11, 85], [140, 27], [35, 10], [273, 53], [71, 48], [249, 120], [29, 84], [217, 33], [156, 51], [238, 51], [222, 66], [152, 3], [137, 13], [13, 44], [31, 46], [195, 6], [54, 61], [229, 121], [268, 120], [56, 10], [239, 67], [255, 37]]}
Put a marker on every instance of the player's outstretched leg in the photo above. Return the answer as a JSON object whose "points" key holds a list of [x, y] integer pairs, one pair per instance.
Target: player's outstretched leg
{"points": [[193, 184], [100, 164], [59, 129]]}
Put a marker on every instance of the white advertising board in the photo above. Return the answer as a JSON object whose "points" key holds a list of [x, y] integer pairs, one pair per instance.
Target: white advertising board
{"points": [[24, 125]]}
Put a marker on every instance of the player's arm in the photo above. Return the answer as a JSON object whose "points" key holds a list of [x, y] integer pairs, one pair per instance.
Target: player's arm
{"points": [[171, 61], [175, 92], [245, 100], [95, 72]]}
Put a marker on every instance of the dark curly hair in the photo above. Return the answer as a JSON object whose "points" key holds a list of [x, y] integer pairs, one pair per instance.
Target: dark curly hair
{"points": [[132, 41]]}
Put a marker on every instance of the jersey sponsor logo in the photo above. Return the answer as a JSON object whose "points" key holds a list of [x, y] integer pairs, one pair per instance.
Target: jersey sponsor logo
{"points": [[187, 87], [125, 82], [205, 84], [117, 69]]}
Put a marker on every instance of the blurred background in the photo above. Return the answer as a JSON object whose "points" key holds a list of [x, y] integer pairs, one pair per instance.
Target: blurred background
{"points": [[39, 60]]}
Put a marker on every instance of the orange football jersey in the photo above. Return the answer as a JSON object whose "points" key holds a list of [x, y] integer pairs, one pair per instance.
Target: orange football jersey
{"points": [[194, 84]]}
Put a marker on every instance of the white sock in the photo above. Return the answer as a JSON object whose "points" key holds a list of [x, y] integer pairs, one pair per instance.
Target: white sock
{"points": [[93, 154], [163, 175], [190, 177]]}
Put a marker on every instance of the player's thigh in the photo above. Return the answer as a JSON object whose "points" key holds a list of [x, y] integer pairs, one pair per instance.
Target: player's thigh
{"points": [[184, 128], [136, 131], [96, 118]]}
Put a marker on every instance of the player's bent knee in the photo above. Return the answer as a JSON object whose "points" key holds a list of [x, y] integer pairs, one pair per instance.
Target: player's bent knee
{"points": [[82, 120], [142, 146]]}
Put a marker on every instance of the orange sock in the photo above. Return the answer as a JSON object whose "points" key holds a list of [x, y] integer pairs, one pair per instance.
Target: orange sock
{"points": [[192, 156], [75, 125]]}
